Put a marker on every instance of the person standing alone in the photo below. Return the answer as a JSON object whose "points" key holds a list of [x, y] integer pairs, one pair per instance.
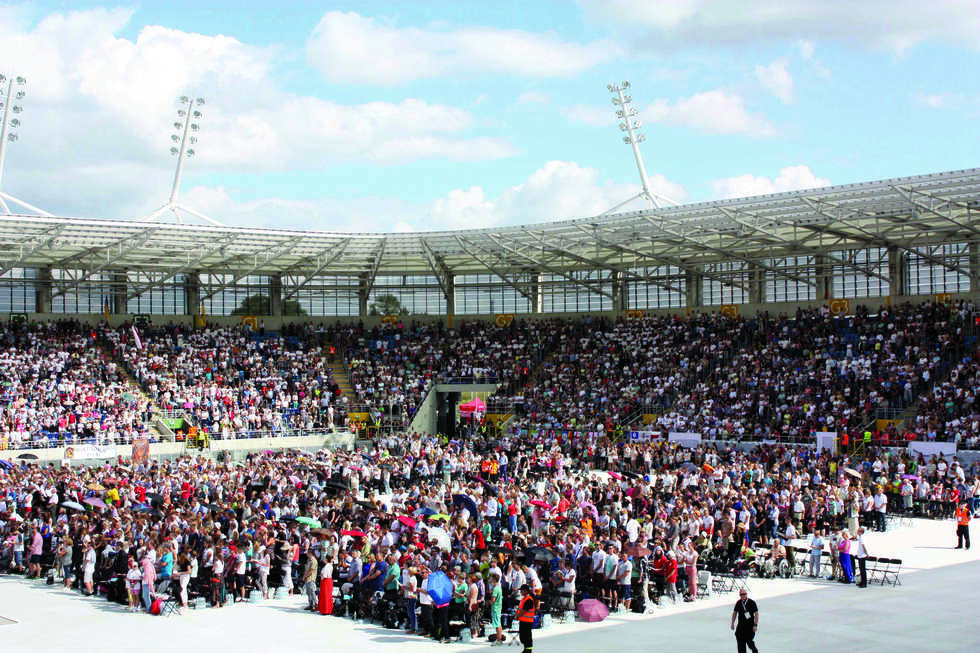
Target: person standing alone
{"points": [[962, 526], [746, 614]]}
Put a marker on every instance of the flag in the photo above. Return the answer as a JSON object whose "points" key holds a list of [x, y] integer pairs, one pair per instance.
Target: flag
{"points": [[105, 306], [136, 338]]}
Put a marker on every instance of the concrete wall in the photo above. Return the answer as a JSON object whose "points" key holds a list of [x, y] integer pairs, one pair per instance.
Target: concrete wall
{"points": [[237, 448], [426, 417]]}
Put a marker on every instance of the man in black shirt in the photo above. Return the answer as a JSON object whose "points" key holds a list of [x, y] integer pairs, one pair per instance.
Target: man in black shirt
{"points": [[747, 614]]}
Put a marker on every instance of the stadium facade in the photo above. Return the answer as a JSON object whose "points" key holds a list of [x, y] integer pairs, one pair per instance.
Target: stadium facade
{"points": [[876, 242]]}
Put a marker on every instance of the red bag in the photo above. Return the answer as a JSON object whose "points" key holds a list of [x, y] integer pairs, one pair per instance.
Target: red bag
{"points": [[156, 607]]}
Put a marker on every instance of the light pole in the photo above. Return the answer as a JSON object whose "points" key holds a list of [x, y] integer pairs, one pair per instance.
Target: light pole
{"points": [[185, 129], [626, 113], [10, 105]]}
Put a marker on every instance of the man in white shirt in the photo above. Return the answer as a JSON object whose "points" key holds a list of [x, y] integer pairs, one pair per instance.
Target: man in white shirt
{"points": [[862, 557], [881, 507]]}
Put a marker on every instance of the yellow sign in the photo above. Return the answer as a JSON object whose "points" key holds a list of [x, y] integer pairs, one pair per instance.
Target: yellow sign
{"points": [[634, 314], [503, 319], [944, 298], [390, 319], [649, 418], [729, 310], [251, 322], [840, 306], [883, 424]]}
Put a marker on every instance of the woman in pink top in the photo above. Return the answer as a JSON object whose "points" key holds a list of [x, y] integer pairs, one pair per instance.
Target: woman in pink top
{"points": [[691, 567]]}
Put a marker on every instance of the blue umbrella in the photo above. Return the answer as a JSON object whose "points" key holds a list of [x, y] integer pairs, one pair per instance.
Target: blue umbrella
{"points": [[440, 589], [6, 464], [465, 502], [425, 511], [141, 507]]}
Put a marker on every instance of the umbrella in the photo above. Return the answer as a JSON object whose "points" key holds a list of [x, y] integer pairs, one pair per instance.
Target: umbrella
{"points": [[631, 475], [95, 487], [638, 550], [504, 550], [141, 507], [486, 484], [15, 517], [911, 476], [294, 479], [852, 472], [441, 538], [288, 518], [6, 464], [95, 503], [591, 508], [27, 456], [408, 521], [424, 511], [309, 521], [354, 533], [334, 486], [688, 466], [155, 513], [592, 610], [708, 469], [440, 588], [154, 497], [540, 504], [465, 502], [320, 531], [439, 516], [72, 505], [616, 476], [539, 554]]}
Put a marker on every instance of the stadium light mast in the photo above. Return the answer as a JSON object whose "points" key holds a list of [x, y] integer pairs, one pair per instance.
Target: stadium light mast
{"points": [[186, 127], [625, 112], [10, 105]]}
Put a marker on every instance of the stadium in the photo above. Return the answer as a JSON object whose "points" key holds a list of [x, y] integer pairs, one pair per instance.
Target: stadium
{"points": [[382, 440]]}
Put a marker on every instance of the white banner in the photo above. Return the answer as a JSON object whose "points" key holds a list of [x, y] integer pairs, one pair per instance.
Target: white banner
{"points": [[929, 449], [826, 440], [643, 436], [85, 451], [686, 440]]}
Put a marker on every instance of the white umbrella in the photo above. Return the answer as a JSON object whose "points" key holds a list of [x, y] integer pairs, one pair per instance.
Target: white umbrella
{"points": [[441, 537]]}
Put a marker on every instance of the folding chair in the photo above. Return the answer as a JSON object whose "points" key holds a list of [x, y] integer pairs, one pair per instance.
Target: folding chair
{"points": [[170, 598], [882, 565], [890, 575], [873, 564]]}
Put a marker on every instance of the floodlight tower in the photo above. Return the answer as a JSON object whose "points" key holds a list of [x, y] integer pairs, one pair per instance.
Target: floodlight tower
{"points": [[186, 127], [626, 113], [11, 105]]}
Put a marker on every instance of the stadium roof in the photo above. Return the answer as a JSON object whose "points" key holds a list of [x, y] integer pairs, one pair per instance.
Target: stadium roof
{"points": [[914, 214]]}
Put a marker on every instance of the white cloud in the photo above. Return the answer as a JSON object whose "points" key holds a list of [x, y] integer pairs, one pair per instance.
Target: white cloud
{"points": [[893, 24], [716, 111], [533, 97], [940, 100], [100, 102], [807, 50], [776, 79], [790, 178], [590, 114], [350, 48], [558, 190]]}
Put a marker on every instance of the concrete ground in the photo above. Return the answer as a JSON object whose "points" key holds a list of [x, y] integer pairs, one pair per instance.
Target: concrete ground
{"points": [[933, 610]]}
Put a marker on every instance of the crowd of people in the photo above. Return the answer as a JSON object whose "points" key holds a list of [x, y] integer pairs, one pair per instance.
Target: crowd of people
{"points": [[232, 380], [564, 517], [57, 385]]}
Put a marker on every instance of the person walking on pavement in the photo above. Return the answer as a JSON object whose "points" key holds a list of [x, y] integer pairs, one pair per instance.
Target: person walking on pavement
{"points": [[962, 526], [746, 614], [525, 615]]}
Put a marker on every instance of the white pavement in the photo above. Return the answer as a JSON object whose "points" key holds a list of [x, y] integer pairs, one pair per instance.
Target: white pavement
{"points": [[54, 619]]}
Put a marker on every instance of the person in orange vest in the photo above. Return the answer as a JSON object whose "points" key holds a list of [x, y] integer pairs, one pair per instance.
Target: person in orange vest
{"points": [[485, 469], [494, 470], [525, 615], [962, 526]]}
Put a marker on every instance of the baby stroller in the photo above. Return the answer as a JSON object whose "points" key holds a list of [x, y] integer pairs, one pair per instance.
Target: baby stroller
{"points": [[389, 612]]}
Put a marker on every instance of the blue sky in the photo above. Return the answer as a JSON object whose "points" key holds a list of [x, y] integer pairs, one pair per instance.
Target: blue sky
{"points": [[378, 116]]}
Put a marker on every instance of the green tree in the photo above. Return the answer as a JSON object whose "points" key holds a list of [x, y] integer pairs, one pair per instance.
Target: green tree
{"points": [[388, 305], [260, 305]]}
